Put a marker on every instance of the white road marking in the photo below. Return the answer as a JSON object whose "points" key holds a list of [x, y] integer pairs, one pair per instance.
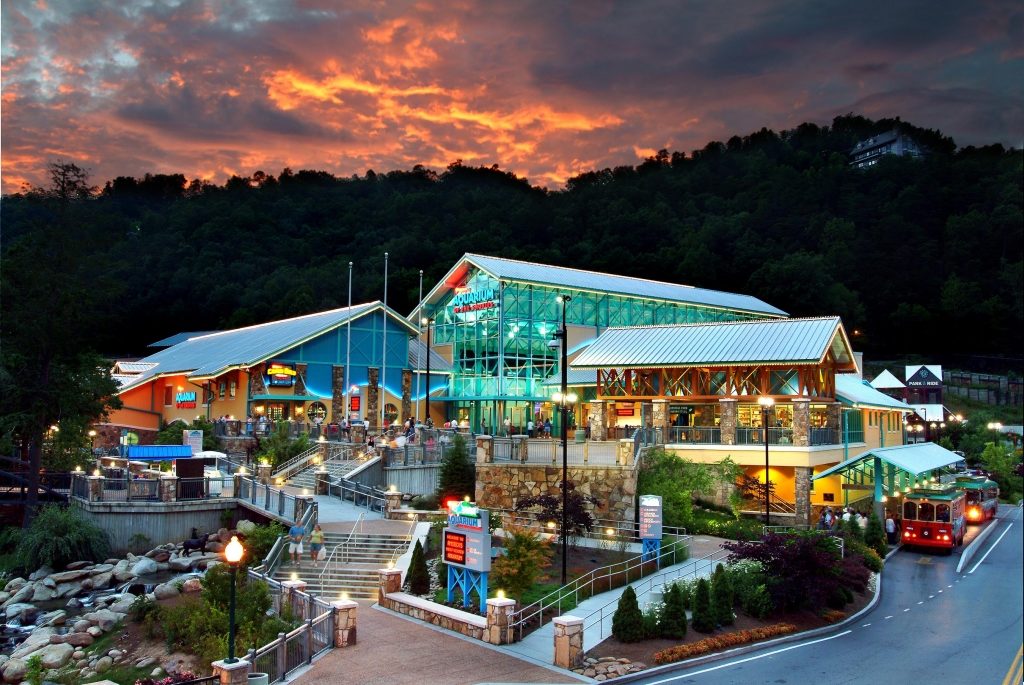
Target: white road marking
{"points": [[865, 625], [998, 540], [906, 610], [921, 602], [940, 592], [931, 596], [888, 617], [949, 586], [751, 658]]}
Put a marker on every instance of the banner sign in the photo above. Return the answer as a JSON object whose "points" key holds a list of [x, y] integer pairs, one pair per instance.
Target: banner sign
{"points": [[650, 517], [624, 408], [467, 538]]}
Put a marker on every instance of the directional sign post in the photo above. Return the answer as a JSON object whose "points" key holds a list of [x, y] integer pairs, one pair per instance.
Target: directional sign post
{"points": [[650, 527]]}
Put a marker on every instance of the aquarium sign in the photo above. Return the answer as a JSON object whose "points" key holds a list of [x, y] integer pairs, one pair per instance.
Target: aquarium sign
{"points": [[468, 537], [474, 300], [185, 400]]}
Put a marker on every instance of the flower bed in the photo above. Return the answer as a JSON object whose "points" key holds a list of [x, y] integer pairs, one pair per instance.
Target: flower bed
{"points": [[723, 641]]}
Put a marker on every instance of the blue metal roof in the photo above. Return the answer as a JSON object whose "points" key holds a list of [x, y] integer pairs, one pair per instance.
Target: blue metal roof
{"points": [[179, 337], [918, 459], [210, 355], [575, 378], [772, 341], [158, 452], [856, 392], [418, 358]]}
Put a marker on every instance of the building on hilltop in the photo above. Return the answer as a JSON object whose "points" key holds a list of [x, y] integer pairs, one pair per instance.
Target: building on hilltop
{"points": [[866, 153]]}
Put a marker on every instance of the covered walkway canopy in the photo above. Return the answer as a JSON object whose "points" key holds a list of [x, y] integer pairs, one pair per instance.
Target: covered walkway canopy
{"points": [[898, 468]]}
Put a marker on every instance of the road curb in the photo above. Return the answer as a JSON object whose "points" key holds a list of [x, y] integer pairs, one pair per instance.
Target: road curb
{"points": [[972, 549], [746, 649]]}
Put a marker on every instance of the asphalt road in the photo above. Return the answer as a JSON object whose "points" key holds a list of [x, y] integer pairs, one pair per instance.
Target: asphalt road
{"points": [[930, 625]]}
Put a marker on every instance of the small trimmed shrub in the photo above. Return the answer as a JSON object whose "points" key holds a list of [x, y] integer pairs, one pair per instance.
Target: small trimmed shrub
{"points": [[652, 621], [874, 536], [719, 642], [759, 603], [628, 622], [417, 580], [703, 616], [721, 596], [526, 555], [673, 614]]}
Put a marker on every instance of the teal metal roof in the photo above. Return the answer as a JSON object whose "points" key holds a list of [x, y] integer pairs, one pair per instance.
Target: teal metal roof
{"points": [[210, 355], [771, 341], [157, 452], [575, 378], [918, 459], [853, 391], [592, 281]]}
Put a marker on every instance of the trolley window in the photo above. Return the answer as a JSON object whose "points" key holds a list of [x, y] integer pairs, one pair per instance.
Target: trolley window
{"points": [[926, 512], [910, 510], [942, 513]]}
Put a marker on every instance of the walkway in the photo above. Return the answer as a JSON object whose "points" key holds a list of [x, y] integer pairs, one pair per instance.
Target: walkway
{"points": [[334, 510]]}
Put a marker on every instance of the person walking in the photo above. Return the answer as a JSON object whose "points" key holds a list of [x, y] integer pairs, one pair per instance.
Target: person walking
{"points": [[890, 529], [547, 428], [508, 427], [295, 535], [316, 543], [529, 428], [483, 427]]}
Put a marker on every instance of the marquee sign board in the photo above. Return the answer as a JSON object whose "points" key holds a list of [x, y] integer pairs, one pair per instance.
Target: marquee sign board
{"points": [[467, 538], [650, 517]]}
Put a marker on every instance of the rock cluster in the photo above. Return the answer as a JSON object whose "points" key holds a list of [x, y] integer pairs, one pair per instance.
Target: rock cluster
{"points": [[608, 667]]}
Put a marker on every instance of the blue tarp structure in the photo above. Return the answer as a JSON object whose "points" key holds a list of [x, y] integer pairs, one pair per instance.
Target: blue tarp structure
{"points": [[159, 452]]}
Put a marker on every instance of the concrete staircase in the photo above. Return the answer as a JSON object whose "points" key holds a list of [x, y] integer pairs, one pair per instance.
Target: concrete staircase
{"points": [[352, 570], [306, 478]]}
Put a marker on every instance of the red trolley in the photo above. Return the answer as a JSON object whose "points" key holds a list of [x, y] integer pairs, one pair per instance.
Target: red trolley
{"points": [[933, 516]]}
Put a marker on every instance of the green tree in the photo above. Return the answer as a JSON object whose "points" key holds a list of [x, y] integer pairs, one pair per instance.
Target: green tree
{"points": [[526, 554], [628, 621], [703, 614], [171, 433], [874, 535], [280, 447], [457, 477], [59, 535], [998, 459], [417, 580], [673, 614], [722, 596], [678, 479]]}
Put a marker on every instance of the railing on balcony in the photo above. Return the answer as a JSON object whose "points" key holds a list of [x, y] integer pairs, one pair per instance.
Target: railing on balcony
{"points": [[696, 435], [824, 436], [234, 428]]}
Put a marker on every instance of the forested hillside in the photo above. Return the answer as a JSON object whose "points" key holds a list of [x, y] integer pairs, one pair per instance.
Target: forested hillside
{"points": [[916, 256]]}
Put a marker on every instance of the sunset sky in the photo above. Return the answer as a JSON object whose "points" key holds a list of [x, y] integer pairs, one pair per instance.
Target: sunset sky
{"points": [[546, 88]]}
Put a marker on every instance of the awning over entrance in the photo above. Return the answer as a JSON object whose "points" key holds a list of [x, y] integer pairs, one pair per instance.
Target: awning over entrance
{"points": [[159, 452], [915, 460]]}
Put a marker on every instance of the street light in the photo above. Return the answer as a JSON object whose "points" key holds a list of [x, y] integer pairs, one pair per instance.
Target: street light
{"points": [[766, 406], [427, 321], [233, 554], [563, 397]]}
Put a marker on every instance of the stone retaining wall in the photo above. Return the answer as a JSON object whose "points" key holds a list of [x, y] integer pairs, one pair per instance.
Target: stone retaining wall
{"points": [[501, 486]]}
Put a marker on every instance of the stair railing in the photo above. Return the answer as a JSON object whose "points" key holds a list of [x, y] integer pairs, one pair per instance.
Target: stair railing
{"points": [[344, 547], [297, 463]]}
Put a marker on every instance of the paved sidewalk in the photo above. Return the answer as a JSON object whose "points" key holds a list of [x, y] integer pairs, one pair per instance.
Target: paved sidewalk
{"points": [[334, 509]]}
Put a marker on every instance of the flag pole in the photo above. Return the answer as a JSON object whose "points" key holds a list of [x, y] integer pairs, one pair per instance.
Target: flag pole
{"points": [[384, 348]]}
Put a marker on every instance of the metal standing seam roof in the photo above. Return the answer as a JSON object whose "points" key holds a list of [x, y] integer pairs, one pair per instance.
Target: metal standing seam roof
{"points": [[771, 341], [923, 457], [887, 381], [418, 358], [575, 378], [853, 390], [209, 355], [592, 281]]}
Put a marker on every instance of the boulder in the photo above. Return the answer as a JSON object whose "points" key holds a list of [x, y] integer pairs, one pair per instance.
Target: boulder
{"points": [[43, 593], [101, 568], [166, 591], [159, 555], [73, 639], [68, 589], [123, 604], [245, 526], [86, 583], [222, 534], [144, 662], [103, 665], [214, 547], [18, 611], [105, 619], [163, 566], [68, 576], [4, 596], [144, 567], [180, 564], [53, 618], [100, 581], [14, 670], [24, 594], [40, 637], [95, 631], [41, 573], [48, 581], [192, 585], [55, 656], [15, 584], [115, 654], [80, 626], [75, 565]]}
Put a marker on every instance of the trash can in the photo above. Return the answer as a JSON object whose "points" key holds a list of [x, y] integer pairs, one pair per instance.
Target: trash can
{"points": [[581, 435], [259, 679]]}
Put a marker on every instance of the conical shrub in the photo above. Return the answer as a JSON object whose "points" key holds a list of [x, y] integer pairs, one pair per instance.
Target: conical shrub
{"points": [[722, 596], [673, 614], [703, 617], [628, 621], [417, 581]]}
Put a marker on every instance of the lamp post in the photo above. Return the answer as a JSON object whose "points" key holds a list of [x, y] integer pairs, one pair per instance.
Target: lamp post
{"points": [[562, 398], [766, 406], [233, 554], [995, 427], [428, 322]]}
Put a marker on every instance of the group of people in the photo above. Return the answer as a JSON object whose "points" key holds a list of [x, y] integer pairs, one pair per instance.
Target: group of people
{"points": [[827, 521], [296, 534]]}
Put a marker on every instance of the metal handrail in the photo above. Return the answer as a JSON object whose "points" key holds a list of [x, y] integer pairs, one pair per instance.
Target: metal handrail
{"points": [[519, 619], [600, 530], [343, 546], [296, 463]]}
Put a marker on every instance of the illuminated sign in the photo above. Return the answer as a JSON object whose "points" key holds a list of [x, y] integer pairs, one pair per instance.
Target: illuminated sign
{"points": [[454, 548], [281, 374], [650, 517], [353, 403], [624, 408], [474, 300], [467, 537], [185, 400]]}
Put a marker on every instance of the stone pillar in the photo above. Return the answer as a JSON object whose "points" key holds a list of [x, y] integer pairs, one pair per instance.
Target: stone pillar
{"points": [[523, 447], [595, 412], [611, 420], [624, 452], [388, 580], [803, 494], [833, 419], [290, 590], [406, 395], [647, 414], [499, 630], [96, 488], [300, 379], [169, 488], [322, 449], [392, 504], [801, 421], [484, 449], [344, 622], [662, 419], [728, 424], [264, 472], [358, 434], [338, 408], [373, 399], [568, 641], [236, 673], [323, 482]]}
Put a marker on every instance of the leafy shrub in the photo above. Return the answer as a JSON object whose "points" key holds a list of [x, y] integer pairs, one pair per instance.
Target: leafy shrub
{"points": [[417, 580], [724, 641], [34, 669], [874, 536], [759, 603], [833, 616], [745, 577], [869, 557], [651, 621], [673, 614], [59, 535], [628, 622], [526, 554], [425, 502], [142, 607], [721, 597], [260, 540], [703, 616]]}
